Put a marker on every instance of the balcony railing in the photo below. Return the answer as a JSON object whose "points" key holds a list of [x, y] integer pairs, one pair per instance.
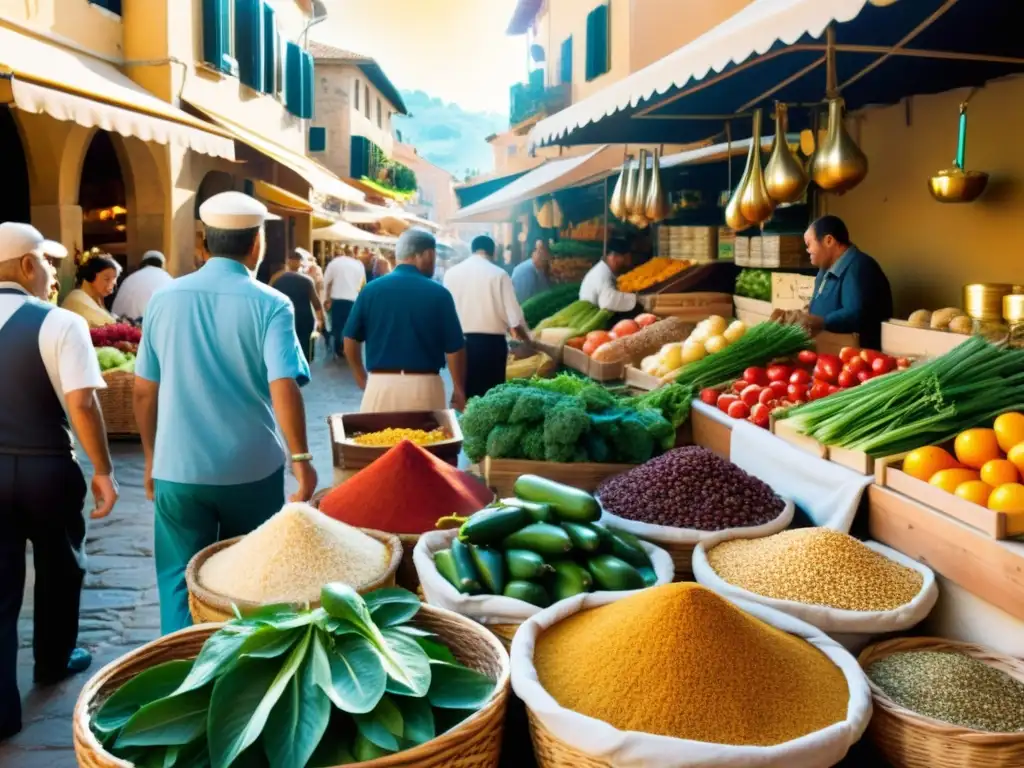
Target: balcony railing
{"points": [[534, 100]]}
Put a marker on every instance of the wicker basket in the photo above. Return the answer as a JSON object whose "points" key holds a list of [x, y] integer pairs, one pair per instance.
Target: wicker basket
{"points": [[909, 740], [116, 403], [552, 752], [474, 743], [504, 632], [206, 605]]}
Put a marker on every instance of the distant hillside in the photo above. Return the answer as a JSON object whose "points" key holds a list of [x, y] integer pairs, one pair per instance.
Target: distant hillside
{"points": [[447, 135]]}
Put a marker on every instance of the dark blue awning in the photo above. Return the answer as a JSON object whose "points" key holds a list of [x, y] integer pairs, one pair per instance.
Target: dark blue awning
{"points": [[473, 193]]}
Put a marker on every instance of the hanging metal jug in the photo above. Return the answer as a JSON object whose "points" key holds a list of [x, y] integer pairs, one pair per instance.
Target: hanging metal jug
{"points": [[656, 206], [733, 218], [642, 185], [784, 176], [632, 177], [617, 203], [839, 165], [755, 204]]}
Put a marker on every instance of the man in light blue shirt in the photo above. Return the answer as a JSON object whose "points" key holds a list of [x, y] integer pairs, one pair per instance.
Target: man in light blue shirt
{"points": [[219, 359], [531, 277]]}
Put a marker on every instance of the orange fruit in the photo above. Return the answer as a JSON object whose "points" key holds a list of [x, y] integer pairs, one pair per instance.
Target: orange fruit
{"points": [[1009, 429], [1007, 498], [949, 479], [998, 472], [974, 491], [923, 463], [974, 447], [1016, 457]]}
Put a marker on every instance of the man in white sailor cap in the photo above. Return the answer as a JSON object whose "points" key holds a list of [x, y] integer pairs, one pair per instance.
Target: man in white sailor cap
{"points": [[219, 360], [138, 288], [48, 385]]}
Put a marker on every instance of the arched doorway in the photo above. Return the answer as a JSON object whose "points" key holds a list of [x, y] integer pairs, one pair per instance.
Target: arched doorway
{"points": [[15, 204], [103, 197]]}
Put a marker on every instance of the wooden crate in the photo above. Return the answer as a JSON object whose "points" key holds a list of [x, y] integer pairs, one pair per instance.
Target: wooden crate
{"points": [[638, 379], [690, 307], [726, 244], [858, 461], [779, 251], [785, 431], [554, 351], [712, 434], [577, 360], [349, 455], [741, 251], [791, 291], [501, 474], [831, 343], [751, 311], [990, 569], [697, 244], [900, 339]]}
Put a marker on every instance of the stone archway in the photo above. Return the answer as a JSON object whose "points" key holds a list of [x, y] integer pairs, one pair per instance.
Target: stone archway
{"points": [[15, 192], [103, 191]]}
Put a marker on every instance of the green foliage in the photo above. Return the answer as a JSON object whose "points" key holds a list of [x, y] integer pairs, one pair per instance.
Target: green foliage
{"points": [[566, 422], [543, 305], [754, 284]]}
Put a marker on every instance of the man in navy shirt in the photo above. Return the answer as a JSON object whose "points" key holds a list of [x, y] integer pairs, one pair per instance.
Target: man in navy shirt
{"points": [[410, 328], [851, 292]]}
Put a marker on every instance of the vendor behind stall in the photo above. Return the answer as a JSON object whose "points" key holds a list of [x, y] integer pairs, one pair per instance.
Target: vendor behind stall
{"points": [[599, 286]]}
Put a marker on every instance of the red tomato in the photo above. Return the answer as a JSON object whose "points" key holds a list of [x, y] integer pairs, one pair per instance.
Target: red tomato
{"points": [[846, 354], [800, 377], [865, 376], [576, 342], [709, 396], [818, 391], [856, 365], [779, 388], [828, 370], [760, 414], [869, 355], [779, 372], [750, 394], [724, 401], [739, 385], [590, 346], [883, 364], [797, 393], [625, 328], [832, 389], [847, 378], [834, 359], [807, 357], [738, 410], [754, 375], [767, 396], [603, 335], [902, 363]]}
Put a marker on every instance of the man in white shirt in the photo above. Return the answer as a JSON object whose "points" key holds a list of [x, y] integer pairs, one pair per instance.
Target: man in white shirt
{"points": [[343, 280], [485, 300], [598, 287], [49, 385], [137, 289]]}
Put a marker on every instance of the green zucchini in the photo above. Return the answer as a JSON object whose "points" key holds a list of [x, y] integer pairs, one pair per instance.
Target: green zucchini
{"points": [[490, 564], [611, 573], [570, 504], [649, 576], [489, 526], [623, 549], [539, 513], [544, 539], [465, 571], [528, 592], [524, 564], [445, 563], [583, 536], [570, 580]]}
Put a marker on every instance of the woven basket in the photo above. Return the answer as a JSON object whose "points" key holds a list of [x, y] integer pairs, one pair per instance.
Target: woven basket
{"points": [[504, 632], [116, 403], [909, 740], [474, 743], [552, 752], [206, 605]]}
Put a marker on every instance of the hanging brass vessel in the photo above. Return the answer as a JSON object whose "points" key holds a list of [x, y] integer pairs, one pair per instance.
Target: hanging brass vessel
{"points": [[656, 208], [733, 218], [957, 185], [617, 203], [629, 197], [642, 185], [639, 221], [755, 204], [839, 165], [784, 176]]}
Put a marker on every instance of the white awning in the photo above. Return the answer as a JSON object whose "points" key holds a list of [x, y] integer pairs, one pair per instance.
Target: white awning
{"points": [[74, 87], [343, 232], [545, 179], [392, 218]]}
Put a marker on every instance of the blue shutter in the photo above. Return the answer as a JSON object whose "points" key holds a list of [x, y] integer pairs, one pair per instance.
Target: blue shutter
{"points": [[566, 66], [249, 42], [359, 165], [114, 6], [317, 139], [308, 72], [217, 36], [293, 78], [271, 54], [597, 42]]}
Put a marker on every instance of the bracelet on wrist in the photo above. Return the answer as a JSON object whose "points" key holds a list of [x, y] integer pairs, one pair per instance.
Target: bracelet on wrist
{"points": [[301, 457]]}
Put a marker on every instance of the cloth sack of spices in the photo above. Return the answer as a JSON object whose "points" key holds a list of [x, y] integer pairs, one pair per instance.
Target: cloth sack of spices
{"points": [[813, 571], [633, 748], [496, 609]]}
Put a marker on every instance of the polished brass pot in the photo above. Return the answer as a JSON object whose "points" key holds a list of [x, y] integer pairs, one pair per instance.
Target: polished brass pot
{"points": [[956, 185], [839, 164], [784, 176]]}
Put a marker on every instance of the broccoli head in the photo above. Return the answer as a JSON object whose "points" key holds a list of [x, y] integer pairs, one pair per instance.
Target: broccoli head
{"points": [[566, 422], [530, 406], [597, 398], [533, 443], [597, 447], [504, 441], [474, 447], [633, 443], [484, 413], [560, 452], [659, 428]]}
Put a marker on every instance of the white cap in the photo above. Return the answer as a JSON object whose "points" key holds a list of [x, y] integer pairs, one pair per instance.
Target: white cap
{"points": [[154, 255], [234, 210], [17, 240], [303, 254]]}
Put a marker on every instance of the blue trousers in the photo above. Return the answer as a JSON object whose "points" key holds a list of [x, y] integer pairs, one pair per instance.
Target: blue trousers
{"points": [[340, 310]]}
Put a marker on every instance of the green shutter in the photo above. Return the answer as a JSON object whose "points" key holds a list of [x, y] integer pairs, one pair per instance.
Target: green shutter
{"points": [[317, 139], [217, 36], [293, 78], [271, 53], [308, 72], [249, 42], [566, 66], [597, 42], [360, 162]]}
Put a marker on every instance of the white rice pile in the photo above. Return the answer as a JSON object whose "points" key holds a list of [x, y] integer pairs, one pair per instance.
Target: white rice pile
{"points": [[291, 556]]}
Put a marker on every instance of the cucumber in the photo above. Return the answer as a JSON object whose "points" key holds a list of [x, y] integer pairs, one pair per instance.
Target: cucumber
{"points": [[528, 592], [629, 538], [611, 573], [465, 571], [491, 566], [649, 576], [623, 549], [489, 526], [543, 538], [524, 564], [445, 564], [570, 580], [583, 537], [570, 504], [539, 513]]}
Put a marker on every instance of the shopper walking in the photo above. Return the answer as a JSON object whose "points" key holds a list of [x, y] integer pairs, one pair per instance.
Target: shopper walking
{"points": [[301, 291], [410, 328], [48, 386], [219, 360], [344, 278], [138, 288]]}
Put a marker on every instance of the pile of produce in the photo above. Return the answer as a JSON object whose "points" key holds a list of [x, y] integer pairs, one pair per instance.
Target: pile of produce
{"points": [[390, 437], [116, 346], [948, 319], [407, 490], [699, 668], [578, 319], [987, 466], [543, 546], [543, 305], [711, 336], [291, 556], [538, 364], [927, 404], [566, 419], [953, 688], [572, 259], [629, 339], [754, 284], [657, 270], [348, 682], [112, 359], [762, 390], [691, 488], [819, 566]]}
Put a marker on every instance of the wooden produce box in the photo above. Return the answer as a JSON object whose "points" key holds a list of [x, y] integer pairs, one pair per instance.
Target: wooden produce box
{"points": [[710, 433], [773, 251], [691, 307], [830, 343], [751, 311], [681, 281], [349, 455], [638, 379], [785, 431], [900, 339], [578, 360], [554, 351], [791, 291], [501, 474], [697, 244], [990, 569], [741, 251], [858, 461]]}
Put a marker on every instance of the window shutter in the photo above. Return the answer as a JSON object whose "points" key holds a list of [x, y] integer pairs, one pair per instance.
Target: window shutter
{"points": [[249, 42], [308, 73], [597, 42], [360, 161], [217, 36], [271, 49], [293, 78], [317, 139], [359, 89], [566, 64]]}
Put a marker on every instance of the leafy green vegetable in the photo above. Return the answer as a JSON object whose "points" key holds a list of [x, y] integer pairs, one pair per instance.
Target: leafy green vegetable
{"points": [[298, 721], [545, 304], [765, 341], [146, 687], [352, 676], [392, 606], [383, 726], [456, 687], [754, 284], [170, 721]]}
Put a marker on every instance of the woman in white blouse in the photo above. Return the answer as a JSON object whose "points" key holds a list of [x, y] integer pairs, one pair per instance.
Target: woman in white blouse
{"points": [[95, 281]]}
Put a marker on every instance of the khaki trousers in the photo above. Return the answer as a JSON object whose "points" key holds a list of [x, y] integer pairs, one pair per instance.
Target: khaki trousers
{"points": [[403, 392]]}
